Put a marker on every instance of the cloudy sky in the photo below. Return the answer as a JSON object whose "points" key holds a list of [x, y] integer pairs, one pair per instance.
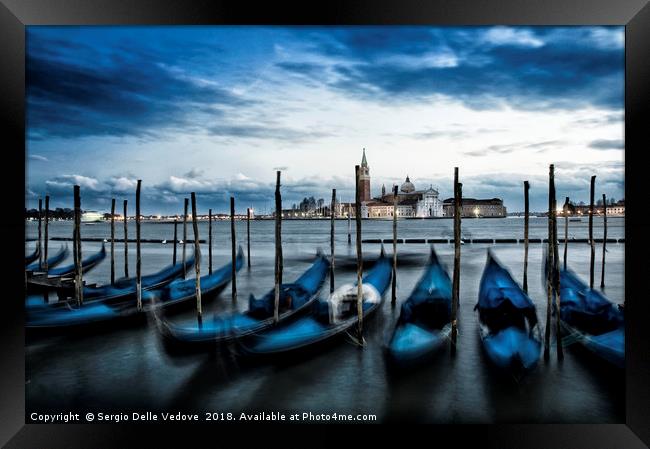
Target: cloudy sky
{"points": [[217, 110]]}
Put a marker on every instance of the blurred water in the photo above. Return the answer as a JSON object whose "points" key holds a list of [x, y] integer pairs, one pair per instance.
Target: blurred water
{"points": [[129, 369]]}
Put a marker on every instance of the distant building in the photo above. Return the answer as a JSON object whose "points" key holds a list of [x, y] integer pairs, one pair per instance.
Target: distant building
{"points": [[364, 179], [410, 202], [616, 209], [476, 208]]}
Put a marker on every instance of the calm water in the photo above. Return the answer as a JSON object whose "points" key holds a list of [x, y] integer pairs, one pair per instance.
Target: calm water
{"points": [[130, 369]]}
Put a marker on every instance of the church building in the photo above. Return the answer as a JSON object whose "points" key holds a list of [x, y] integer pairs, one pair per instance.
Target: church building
{"points": [[410, 201]]}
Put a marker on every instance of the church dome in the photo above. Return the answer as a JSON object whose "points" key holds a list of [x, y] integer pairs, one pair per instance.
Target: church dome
{"points": [[408, 186]]}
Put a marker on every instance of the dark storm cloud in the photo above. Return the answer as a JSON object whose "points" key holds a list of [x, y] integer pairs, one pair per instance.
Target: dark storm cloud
{"points": [[266, 132], [302, 68], [510, 148], [453, 131], [121, 95], [606, 144], [608, 119], [150, 84], [370, 42], [564, 68], [194, 173]]}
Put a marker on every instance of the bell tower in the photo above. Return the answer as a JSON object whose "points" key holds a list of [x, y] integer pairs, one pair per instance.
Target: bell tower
{"points": [[364, 179]]}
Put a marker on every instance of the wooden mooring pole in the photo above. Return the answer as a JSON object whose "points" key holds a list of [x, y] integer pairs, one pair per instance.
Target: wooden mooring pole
{"points": [[332, 206], [74, 243], [46, 237], [113, 241], [357, 210], [602, 272], [393, 297], [185, 203], [233, 245], [77, 245], [175, 241], [556, 267], [549, 278], [458, 198], [40, 247], [126, 241], [248, 237], [349, 226], [209, 240], [138, 255], [278, 247], [566, 229], [526, 225], [197, 259], [591, 232]]}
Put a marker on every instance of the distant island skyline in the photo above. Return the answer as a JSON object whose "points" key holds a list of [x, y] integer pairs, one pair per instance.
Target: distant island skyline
{"points": [[68, 213]]}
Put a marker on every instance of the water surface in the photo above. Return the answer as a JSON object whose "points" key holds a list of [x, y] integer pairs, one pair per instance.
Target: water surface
{"points": [[129, 369]]}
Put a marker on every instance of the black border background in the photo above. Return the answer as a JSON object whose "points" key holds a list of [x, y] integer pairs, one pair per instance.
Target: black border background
{"points": [[635, 14]]}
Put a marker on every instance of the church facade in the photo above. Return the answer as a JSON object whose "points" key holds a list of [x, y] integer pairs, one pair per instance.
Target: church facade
{"points": [[410, 201]]}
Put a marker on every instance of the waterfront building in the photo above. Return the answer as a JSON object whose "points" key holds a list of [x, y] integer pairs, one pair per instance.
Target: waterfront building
{"points": [[615, 210], [410, 201]]}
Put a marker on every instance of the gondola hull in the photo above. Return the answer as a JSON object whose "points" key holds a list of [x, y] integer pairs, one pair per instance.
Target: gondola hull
{"points": [[299, 334], [511, 349], [86, 265], [33, 256], [51, 262], [125, 289], [302, 293], [110, 294], [508, 325], [100, 311], [609, 346], [424, 324], [412, 344], [311, 329], [60, 278], [183, 291], [592, 320]]}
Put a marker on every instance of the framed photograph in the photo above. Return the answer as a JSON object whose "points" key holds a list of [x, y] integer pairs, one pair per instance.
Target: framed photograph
{"points": [[372, 214]]}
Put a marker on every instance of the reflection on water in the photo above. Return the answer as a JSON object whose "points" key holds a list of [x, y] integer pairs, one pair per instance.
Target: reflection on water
{"points": [[130, 369]]}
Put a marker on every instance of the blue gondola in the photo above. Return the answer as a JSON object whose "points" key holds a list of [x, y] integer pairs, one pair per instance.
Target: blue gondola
{"points": [[178, 292], [182, 290], [54, 278], [424, 323], [33, 256], [328, 319], [589, 318], [126, 287], [86, 264], [52, 261], [508, 323], [123, 290], [294, 298]]}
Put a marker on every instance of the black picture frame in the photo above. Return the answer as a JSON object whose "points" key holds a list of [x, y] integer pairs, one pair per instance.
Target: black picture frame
{"points": [[633, 14]]}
